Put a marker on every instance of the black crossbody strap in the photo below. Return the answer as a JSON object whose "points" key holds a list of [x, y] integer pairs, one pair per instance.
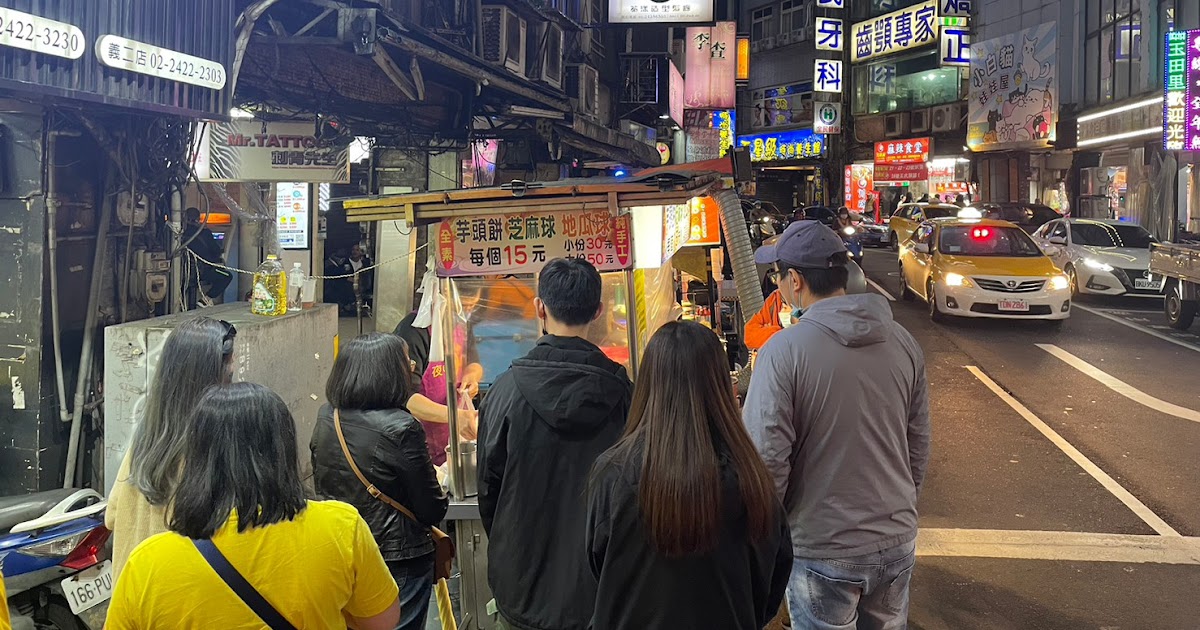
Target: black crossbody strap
{"points": [[243, 589]]}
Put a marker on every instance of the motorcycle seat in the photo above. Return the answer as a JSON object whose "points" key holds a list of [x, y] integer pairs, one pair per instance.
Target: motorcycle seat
{"points": [[26, 507]]}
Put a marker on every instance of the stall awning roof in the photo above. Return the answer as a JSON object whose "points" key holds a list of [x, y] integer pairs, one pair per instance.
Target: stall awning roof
{"points": [[568, 194]]}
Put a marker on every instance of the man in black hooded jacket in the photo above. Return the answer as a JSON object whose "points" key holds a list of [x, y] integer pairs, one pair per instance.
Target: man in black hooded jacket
{"points": [[541, 427]]}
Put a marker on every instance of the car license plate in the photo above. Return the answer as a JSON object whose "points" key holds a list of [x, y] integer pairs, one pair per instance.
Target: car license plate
{"points": [[1014, 305], [89, 588], [1147, 283]]}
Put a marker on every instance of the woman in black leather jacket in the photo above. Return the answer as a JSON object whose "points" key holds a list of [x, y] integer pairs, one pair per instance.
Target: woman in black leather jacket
{"points": [[368, 389]]}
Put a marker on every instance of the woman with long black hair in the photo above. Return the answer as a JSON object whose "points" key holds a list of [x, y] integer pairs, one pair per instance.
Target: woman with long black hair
{"points": [[243, 533], [196, 356], [684, 529], [367, 392]]}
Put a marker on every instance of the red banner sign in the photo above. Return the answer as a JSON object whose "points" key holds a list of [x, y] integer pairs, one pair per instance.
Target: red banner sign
{"points": [[525, 242], [901, 172], [910, 151]]}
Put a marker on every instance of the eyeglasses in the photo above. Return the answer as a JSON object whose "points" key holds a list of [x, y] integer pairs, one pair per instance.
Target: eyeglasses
{"points": [[227, 339]]}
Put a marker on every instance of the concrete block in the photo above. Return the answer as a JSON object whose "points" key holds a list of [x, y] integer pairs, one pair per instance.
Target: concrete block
{"points": [[292, 354]]}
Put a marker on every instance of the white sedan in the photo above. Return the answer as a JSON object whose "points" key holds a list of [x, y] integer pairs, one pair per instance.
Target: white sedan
{"points": [[1102, 256]]}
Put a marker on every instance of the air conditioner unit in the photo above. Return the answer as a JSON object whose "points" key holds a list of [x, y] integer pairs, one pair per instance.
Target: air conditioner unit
{"points": [[504, 38], [552, 55], [583, 87], [896, 125], [802, 34], [784, 39], [920, 120], [756, 46], [946, 117], [768, 42]]}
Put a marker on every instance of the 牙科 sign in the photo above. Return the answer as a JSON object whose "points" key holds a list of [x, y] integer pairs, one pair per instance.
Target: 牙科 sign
{"points": [[910, 27], [910, 151], [524, 242], [659, 11], [123, 53], [242, 151], [40, 35], [1013, 96]]}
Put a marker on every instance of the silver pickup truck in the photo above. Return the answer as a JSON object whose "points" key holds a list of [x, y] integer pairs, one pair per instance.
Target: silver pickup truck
{"points": [[1180, 263]]}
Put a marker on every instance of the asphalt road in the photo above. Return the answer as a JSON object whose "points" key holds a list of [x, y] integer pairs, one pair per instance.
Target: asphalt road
{"points": [[1064, 486]]}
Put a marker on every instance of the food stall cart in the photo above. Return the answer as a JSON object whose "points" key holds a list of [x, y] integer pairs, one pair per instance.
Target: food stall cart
{"points": [[489, 244]]}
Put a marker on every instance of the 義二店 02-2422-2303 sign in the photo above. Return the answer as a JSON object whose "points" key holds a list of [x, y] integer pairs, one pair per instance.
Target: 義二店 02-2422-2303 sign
{"points": [[524, 242]]}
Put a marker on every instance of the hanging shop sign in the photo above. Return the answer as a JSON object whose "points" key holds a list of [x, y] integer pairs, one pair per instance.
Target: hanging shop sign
{"points": [[664, 152], [40, 35], [659, 11], [955, 42], [711, 66], [955, 7], [525, 242], [827, 75], [783, 145], [830, 35], [743, 59], [910, 151], [911, 27], [251, 151], [782, 106], [1181, 110], [831, 4], [292, 214], [127, 54], [857, 186], [901, 172], [1013, 97], [675, 88], [827, 118], [695, 223]]}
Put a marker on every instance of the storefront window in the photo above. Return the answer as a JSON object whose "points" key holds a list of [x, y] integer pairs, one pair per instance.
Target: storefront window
{"points": [[762, 24], [1114, 67], [875, 8], [906, 83]]}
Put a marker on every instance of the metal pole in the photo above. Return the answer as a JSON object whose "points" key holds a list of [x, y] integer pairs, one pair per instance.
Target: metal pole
{"points": [[458, 486], [177, 261]]}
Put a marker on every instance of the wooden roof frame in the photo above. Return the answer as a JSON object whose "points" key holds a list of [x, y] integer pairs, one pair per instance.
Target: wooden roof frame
{"points": [[424, 208]]}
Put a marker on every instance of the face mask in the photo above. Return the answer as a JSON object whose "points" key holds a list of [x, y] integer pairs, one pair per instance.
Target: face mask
{"points": [[785, 318]]}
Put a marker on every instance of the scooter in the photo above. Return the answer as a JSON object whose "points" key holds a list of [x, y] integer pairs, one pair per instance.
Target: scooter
{"points": [[849, 235], [52, 552]]}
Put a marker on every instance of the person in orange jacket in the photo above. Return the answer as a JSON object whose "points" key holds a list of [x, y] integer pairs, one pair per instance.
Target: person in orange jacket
{"points": [[767, 321]]}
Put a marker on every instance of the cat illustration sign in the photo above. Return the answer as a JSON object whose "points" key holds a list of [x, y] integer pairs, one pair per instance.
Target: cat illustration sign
{"points": [[827, 118], [1013, 93]]}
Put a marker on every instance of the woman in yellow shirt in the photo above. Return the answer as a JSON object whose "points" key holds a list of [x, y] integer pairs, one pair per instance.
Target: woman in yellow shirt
{"points": [[314, 562], [197, 355]]}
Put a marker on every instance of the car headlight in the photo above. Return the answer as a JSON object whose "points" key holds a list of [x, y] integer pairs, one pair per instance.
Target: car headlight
{"points": [[957, 280], [1098, 265], [1061, 283]]}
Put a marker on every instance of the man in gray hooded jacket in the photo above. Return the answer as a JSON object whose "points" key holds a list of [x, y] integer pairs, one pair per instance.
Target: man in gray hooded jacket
{"points": [[839, 410]]}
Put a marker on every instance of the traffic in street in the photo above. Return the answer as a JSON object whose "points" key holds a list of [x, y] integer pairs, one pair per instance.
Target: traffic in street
{"points": [[1063, 483]]}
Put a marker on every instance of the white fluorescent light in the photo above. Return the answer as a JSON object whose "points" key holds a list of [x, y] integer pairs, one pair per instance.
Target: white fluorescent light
{"points": [[1120, 136], [1124, 108], [238, 112]]}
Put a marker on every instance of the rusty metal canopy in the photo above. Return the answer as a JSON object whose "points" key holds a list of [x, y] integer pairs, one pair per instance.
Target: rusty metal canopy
{"points": [[568, 194]]}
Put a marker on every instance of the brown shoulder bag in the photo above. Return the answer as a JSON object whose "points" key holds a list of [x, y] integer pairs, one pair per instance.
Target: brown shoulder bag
{"points": [[442, 544]]}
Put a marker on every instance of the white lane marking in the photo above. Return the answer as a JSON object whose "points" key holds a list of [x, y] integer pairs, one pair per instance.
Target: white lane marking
{"points": [[1119, 386], [1110, 484], [1062, 546], [880, 289], [1139, 327]]}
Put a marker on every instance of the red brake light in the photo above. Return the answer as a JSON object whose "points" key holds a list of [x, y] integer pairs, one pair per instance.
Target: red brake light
{"points": [[980, 233], [84, 555]]}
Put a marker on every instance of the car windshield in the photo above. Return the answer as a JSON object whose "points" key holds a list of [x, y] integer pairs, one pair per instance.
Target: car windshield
{"points": [[987, 240], [1096, 234]]}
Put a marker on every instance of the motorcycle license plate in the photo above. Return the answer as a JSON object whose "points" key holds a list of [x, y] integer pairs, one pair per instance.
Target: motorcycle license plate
{"points": [[1014, 305], [89, 588], [1147, 283]]}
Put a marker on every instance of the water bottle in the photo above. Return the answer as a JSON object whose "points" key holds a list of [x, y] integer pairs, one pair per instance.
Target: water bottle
{"points": [[295, 285], [269, 296]]}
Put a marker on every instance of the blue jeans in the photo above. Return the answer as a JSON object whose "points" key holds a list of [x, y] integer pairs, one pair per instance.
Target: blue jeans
{"points": [[415, 579], [860, 593]]}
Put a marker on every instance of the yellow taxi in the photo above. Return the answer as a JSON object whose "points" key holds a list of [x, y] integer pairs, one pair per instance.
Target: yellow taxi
{"points": [[908, 216], [982, 268]]}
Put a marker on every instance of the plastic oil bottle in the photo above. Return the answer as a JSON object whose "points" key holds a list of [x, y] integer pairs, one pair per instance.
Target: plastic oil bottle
{"points": [[269, 296]]}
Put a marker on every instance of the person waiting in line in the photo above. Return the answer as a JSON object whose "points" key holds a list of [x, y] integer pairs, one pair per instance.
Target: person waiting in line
{"points": [[960, 200], [848, 467], [197, 355], [240, 506], [685, 542], [201, 242], [541, 427], [388, 447]]}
